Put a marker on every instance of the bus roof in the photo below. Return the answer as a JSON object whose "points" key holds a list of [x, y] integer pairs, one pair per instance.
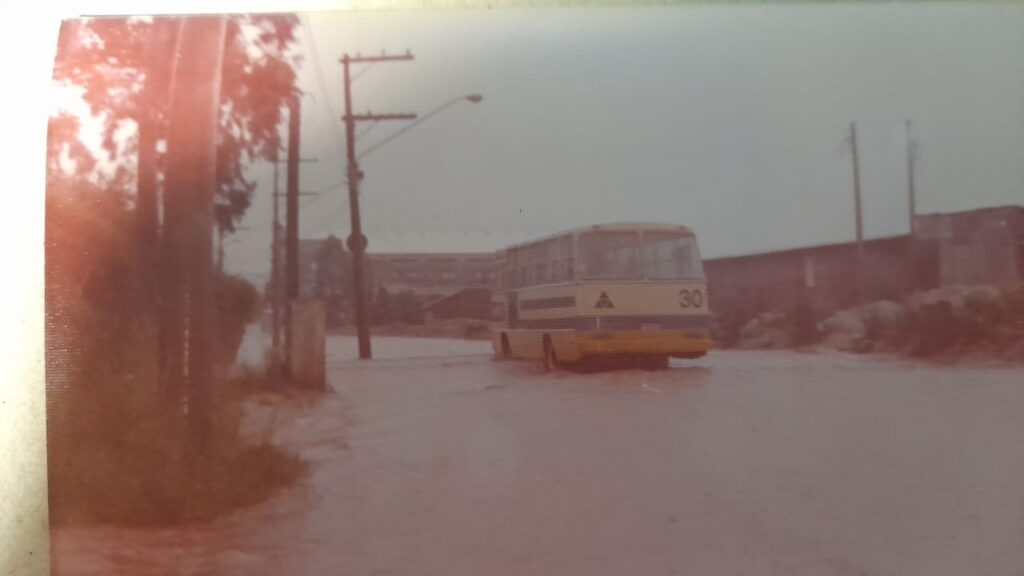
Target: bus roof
{"points": [[608, 227]]}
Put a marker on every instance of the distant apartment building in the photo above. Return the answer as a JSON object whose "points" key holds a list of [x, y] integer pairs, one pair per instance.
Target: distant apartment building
{"points": [[432, 274], [447, 285]]}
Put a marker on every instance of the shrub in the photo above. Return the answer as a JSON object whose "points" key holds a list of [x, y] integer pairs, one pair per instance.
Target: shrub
{"points": [[803, 325]]}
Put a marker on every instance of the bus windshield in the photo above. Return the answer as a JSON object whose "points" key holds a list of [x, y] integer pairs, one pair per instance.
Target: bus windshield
{"points": [[621, 256], [610, 256], [671, 256]]}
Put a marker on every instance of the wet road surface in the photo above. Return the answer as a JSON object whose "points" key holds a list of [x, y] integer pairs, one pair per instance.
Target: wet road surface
{"points": [[435, 459]]}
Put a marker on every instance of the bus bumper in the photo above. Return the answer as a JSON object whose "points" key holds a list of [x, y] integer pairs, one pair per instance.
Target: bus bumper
{"points": [[678, 343]]}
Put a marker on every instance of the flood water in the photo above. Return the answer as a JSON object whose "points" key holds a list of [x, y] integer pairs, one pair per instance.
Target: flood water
{"points": [[436, 459]]}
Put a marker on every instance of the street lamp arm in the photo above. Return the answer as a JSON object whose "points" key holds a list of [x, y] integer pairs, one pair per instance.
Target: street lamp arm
{"points": [[474, 98]]}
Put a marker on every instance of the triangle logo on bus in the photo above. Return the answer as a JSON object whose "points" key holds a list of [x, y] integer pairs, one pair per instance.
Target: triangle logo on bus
{"points": [[603, 301]]}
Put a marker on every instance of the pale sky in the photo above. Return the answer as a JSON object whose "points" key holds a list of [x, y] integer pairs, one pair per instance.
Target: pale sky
{"points": [[726, 119]]}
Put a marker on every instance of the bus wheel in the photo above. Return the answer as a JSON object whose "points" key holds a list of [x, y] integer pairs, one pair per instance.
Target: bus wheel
{"points": [[550, 361], [506, 346]]}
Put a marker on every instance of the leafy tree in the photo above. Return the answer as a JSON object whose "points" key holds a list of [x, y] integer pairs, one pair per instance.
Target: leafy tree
{"points": [[111, 60], [100, 295], [331, 282]]}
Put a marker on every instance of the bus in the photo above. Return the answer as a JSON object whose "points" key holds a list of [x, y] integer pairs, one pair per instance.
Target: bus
{"points": [[633, 292]]}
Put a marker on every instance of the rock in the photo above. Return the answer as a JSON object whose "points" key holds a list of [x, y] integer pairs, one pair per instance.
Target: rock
{"points": [[844, 322], [885, 315], [844, 330], [766, 330]]}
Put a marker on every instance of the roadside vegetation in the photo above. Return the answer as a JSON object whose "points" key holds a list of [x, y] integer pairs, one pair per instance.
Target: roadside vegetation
{"points": [[132, 439], [951, 322]]}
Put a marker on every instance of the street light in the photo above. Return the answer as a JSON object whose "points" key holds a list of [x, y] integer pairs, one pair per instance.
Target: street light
{"points": [[472, 98], [357, 241]]}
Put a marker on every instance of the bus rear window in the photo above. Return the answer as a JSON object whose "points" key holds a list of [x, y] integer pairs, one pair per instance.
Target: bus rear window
{"points": [[669, 256], [610, 256]]}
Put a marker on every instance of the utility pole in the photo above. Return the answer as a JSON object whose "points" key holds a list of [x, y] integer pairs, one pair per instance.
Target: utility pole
{"points": [[912, 209], [277, 288], [356, 240], [191, 182], [275, 265], [291, 227], [859, 217]]}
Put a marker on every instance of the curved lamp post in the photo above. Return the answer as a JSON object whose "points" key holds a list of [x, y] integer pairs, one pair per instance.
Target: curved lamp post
{"points": [[473, 98], [356, 240]]}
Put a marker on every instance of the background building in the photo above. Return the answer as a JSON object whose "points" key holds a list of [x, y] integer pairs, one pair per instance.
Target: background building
{"points": [[984, 246]]}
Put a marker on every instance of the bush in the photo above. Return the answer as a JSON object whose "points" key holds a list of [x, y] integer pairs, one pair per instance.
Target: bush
{"points": [[803, 325], [118, 444], [237, 305]]}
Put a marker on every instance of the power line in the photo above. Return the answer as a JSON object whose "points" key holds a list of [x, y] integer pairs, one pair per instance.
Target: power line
{"points": [[339, 137], [361, 72]]}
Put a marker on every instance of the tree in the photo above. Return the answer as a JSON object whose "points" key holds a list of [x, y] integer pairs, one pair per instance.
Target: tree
{"points": [[112, 62], [102, 204], [330, 284]]}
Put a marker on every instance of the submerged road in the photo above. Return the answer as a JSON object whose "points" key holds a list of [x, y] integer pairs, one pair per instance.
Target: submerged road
{"points": [[435, 459]]}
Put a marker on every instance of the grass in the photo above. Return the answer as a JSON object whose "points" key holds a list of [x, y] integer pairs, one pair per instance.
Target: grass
{"points": [[144, 472]]}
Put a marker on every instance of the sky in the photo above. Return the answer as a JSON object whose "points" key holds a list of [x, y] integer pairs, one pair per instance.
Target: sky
{"points": [[728, 119]]}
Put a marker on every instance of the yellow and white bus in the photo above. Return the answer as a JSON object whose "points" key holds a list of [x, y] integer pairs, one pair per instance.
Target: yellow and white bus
{"points": [[631, 291]]}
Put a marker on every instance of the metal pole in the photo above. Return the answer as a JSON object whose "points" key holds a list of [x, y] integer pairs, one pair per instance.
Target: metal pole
{"points": [[859, 217], [911, 152], [356, 240], [912, 210]]}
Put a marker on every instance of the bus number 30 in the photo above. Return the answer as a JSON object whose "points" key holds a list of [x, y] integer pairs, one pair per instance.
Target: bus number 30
{"points": [[690, 298]]}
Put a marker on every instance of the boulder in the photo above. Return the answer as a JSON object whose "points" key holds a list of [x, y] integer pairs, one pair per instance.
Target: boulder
{"points": [[884, 316], [766, 330], [844, 330]]}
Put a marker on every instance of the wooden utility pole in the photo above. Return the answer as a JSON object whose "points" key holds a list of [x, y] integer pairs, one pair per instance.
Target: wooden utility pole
{"points": [[192, 181], [291, 228], [357, 241], [859, 217], [275, 264], [277, 284]]}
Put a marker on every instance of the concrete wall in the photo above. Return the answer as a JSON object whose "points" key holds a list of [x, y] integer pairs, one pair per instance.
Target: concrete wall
{"points": [[308, 350], [822, 278], [983, 246]]}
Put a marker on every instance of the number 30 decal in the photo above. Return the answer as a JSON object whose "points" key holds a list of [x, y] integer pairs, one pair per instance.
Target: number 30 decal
{"points": [[691, 298]]}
